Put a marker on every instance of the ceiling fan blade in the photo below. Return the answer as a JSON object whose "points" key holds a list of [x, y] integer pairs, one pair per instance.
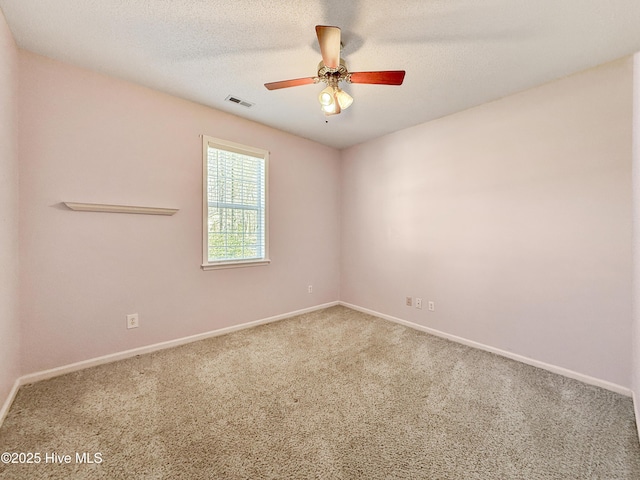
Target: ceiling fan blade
{"points": [[329, 40], [388, 77], [290, 83]]}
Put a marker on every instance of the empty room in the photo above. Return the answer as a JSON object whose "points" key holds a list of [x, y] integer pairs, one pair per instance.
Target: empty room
{"points": [[359, 239]]}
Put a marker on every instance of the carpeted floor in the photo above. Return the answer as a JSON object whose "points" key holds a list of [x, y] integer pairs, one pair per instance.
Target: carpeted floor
{"points": [[334, 394]]}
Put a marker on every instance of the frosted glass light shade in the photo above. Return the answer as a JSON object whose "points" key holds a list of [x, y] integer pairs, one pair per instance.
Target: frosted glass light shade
{"points": [[326, 97], [344, 99], [332, 109]]}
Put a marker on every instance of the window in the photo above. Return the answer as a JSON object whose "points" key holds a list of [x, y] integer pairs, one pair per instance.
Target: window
{"points": [[235, 205]]}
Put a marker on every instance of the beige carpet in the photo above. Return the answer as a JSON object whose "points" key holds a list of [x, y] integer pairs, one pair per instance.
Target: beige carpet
{"points": [[334, 394]]}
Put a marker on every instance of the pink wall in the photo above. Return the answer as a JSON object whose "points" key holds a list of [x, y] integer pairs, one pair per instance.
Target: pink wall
{"points": [[9, 326], [636, 236], [85, 137], [514, 217]]}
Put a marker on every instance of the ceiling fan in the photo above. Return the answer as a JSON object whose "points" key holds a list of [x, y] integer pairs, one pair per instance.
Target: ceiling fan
{"points": [[332, 70]]}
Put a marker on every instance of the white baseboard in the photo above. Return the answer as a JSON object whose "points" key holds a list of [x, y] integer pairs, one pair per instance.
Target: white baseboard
{"points": [[9, 400], [503, 353], [113, 357], [62, 370]]}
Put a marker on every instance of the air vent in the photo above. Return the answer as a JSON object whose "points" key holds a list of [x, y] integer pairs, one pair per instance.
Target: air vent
{"points": [[239, 101]]}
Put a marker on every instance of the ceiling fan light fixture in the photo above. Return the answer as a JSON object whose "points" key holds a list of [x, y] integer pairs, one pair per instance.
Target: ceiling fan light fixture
{"points": [[333, 100], [343, 98], [329, 109], [333, 108], [327, 97]]}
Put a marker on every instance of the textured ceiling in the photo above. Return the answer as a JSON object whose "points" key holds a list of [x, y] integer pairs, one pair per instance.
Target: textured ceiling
{"points": [[457, 53]]}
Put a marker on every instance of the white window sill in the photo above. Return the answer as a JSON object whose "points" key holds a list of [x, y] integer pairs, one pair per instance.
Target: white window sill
{"points": [[247, 263]]}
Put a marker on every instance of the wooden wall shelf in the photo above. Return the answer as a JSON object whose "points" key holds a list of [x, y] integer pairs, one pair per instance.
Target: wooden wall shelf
{"points": [[101, 207]]}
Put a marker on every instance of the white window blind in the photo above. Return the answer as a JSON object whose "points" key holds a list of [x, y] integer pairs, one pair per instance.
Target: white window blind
{"points": [[235, 204]]}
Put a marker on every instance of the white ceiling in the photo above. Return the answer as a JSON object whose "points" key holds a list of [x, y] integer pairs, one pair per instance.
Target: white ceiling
{"points": [[457, 53]]}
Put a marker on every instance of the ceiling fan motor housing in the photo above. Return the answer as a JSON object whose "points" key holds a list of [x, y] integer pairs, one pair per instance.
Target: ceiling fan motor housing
{"points": [[332, 76]]}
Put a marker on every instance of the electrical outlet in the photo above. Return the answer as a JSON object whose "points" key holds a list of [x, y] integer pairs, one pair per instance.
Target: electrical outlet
{"points": [[418, 303], [310, 289], [408, 301], [432, 306], [132, 321]]}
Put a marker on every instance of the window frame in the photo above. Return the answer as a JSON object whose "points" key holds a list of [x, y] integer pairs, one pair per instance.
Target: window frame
{"points": [[221, 144]]}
